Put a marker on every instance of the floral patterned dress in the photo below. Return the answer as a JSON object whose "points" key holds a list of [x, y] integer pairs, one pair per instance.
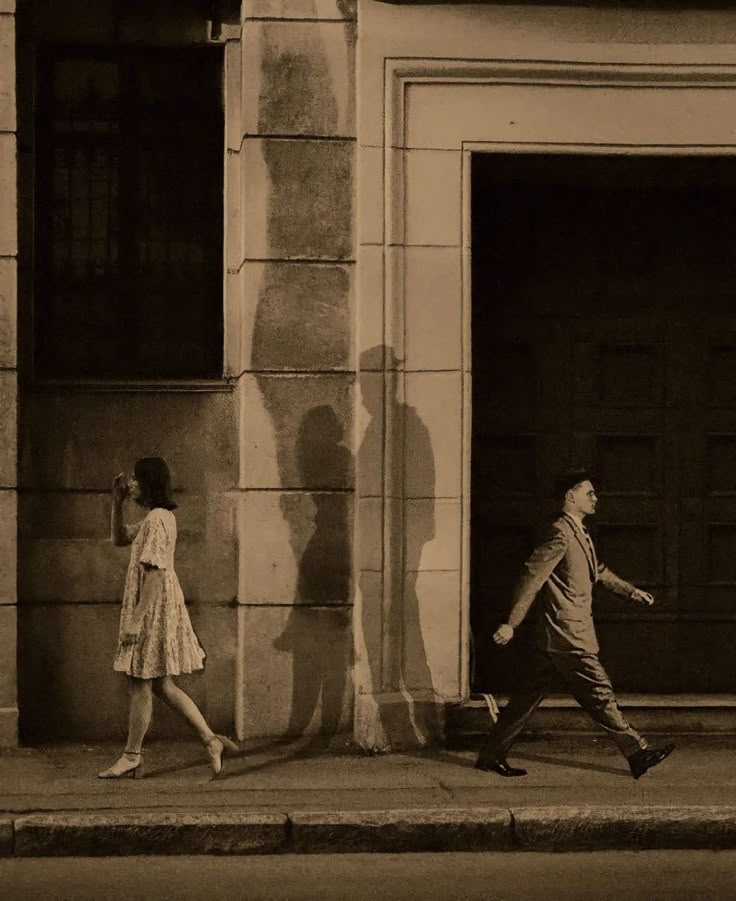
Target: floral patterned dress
{"points": [[166, 644]]}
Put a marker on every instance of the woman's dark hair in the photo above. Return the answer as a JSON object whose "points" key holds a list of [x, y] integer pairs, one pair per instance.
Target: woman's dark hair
{"points": [[153, 477]]}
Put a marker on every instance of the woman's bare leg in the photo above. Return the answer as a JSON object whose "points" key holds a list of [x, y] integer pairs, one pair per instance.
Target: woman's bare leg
{"points": [[139, 718], [169, 692], [216, 745]]}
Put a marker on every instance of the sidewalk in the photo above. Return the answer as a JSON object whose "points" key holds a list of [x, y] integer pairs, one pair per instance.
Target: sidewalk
{"points": [[285, 798]]}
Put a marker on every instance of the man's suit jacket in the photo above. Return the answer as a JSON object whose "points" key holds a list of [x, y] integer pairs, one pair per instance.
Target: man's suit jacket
{"points": [[563, 570]]}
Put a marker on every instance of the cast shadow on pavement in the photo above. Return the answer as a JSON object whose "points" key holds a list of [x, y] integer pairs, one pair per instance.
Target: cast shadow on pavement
{"points": [[575, 764], [203, 761], [469, 763]]}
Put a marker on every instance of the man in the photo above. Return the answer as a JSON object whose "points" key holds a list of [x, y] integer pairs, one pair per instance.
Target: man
{"points": [[563, 570]]}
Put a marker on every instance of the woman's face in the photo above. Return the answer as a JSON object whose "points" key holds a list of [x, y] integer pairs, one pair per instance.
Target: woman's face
{"points": [[134, 489]]}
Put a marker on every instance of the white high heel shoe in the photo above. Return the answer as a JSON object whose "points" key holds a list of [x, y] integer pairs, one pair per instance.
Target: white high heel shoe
{"points": [[129, 765], [217, 746]]}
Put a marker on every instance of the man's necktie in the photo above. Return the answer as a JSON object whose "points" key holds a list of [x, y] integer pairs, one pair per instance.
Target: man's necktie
{"points": [[590, 542]]}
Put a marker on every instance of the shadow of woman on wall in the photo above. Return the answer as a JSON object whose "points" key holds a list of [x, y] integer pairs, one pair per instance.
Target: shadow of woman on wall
{"points": [[317, 632]]}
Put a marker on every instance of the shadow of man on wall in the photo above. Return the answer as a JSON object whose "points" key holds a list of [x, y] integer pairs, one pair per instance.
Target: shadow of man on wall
{"points": [[396, 468], [317, 630]]}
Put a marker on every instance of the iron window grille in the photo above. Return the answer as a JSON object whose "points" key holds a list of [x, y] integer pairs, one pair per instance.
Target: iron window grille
{"points": [[129, 214]]}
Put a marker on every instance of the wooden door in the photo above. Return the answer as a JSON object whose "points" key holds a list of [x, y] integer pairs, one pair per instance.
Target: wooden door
{"points": [[604, 333]]}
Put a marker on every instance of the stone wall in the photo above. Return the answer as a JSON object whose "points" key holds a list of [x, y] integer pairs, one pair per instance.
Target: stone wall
{"points": [[74, 438], [71, 576], [264, 473]]}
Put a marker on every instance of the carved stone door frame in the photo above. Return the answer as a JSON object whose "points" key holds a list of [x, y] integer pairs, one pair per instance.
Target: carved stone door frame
{"points": [[414, 304]]}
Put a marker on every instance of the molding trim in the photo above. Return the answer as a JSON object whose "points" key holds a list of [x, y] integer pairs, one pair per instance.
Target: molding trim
{"points": [[132, 386], [563, 72], [401, 72], [399, 75]]}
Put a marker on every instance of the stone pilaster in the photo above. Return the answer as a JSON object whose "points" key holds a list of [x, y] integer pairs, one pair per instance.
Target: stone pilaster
{"points": [[291, 261], [8, 379]]}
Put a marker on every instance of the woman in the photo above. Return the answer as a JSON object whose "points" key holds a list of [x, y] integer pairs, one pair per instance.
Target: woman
{"points": [[156, 639]]}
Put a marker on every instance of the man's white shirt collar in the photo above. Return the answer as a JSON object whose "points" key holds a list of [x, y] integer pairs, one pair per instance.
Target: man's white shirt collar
{"points": [[578, 520]]}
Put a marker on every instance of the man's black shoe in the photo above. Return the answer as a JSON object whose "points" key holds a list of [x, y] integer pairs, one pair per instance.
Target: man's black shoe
{"points": [[646, 758], [500, 766]]}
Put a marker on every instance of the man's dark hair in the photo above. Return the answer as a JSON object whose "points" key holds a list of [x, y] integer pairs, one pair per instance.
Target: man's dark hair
{"points": [[568, 479], [153, 476]]}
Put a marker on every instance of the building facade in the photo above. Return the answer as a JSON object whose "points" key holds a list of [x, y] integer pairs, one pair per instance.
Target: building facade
{"points": [[365, 274]]}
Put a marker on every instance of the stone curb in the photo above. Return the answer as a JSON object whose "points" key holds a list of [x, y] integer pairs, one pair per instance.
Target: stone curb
{"points": [[435, 829], [318, 832], [624, 828], [115, 834]]}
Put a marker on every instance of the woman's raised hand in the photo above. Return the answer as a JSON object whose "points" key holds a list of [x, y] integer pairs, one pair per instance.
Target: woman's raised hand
{"points": [[120, 487]]}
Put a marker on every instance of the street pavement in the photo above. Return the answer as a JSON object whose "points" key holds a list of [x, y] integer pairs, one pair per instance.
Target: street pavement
{"points": [[298, 797], [593, 876]]}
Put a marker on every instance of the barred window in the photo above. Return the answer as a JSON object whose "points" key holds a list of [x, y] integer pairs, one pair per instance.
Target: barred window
{"points": [[129, 214]]}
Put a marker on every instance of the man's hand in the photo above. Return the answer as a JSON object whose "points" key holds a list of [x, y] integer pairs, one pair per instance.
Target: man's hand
{"points": [[642, 597], [503, 634]]}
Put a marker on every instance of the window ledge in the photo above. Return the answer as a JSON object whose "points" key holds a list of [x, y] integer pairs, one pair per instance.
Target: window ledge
{"points": [[132, 386]]}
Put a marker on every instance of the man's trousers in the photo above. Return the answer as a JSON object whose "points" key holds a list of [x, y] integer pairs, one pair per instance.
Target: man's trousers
{"points": [[588, 683]]}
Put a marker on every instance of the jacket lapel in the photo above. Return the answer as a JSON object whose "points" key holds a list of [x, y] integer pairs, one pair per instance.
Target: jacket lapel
{"points": [[588, 549], [595, 560]]}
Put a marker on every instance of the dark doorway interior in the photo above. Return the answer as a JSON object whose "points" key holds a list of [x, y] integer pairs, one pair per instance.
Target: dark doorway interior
{"points": [[604, 332]]}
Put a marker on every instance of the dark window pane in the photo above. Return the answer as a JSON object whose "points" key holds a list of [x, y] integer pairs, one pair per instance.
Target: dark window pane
{"points": [[129, 215]]}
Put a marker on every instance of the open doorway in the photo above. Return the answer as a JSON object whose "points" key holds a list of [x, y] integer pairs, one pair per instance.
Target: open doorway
{"points": [[604, 332]]}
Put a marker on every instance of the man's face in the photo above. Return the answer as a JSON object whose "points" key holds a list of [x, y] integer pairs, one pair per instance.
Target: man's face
{"points": [[582, 499]]}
